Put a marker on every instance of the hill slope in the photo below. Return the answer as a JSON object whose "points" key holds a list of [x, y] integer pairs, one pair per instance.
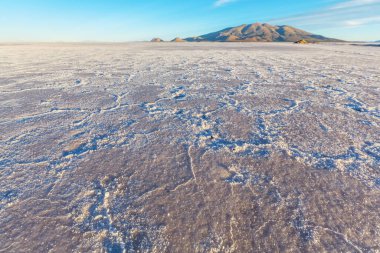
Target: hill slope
{"points": [[258, 32], [178, 40], [156, 40]]}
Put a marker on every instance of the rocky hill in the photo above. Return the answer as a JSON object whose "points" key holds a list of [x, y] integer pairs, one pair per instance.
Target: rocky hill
{"points": [[156, 40], [259, 32], [178, 40]]}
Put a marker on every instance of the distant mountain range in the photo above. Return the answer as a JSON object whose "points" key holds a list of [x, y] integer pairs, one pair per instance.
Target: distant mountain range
{"points": [[259, 32]]}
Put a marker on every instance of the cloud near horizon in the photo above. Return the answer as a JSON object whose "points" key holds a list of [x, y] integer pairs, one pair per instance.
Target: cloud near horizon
{"points": [[362, 21]]}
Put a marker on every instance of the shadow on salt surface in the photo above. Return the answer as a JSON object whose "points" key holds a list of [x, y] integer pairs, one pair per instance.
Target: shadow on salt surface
{"points": [[352, 160], [358, 106], [377, 182], [372, 150], [178, 93], [7, 197], [306, 233], [5, 162]]}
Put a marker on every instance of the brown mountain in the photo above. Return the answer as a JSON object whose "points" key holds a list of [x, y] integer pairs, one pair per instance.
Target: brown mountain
{"points": [[178, 40], [258, 32], [156, 40]]}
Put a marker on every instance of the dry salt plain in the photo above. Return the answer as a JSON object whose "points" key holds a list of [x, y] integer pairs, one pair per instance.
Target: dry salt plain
{"points": [[200, 147]]}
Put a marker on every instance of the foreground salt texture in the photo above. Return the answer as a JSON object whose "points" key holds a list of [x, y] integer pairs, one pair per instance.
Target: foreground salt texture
{"points": [[189, 148]]}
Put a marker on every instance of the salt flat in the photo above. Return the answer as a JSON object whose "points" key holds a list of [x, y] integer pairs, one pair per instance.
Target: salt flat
{"points": [[189, 147]]}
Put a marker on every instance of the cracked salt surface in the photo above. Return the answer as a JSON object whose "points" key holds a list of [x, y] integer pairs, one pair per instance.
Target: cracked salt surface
{"points": [[191, 147]]}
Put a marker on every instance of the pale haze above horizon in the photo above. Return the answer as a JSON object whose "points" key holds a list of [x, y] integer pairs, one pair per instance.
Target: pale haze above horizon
{"points": [[127, 20]]}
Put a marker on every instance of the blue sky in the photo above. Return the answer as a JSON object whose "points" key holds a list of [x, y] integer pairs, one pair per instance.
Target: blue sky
{"points": [[134, 20]]}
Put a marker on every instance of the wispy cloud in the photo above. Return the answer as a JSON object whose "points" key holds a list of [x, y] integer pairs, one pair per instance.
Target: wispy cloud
{"points": [[353, 3], [349, 13], [220, 3], [362, 21]]}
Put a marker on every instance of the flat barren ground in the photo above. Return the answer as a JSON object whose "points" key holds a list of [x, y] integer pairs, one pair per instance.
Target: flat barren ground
{"points": [[189, 147]]}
